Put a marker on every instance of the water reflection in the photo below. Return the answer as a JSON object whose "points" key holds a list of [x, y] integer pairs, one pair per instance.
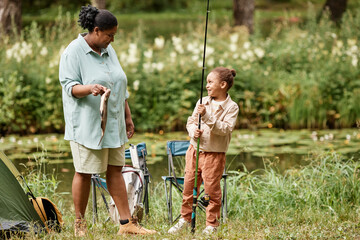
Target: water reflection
{"points": [[250, 150]]}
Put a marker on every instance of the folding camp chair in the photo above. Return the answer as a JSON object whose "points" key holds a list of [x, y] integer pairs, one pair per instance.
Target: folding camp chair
{"points": [[137, 154], [179, 148]]}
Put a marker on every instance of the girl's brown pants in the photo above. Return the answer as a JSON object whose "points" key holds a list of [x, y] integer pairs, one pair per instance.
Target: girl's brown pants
{"points": [[210, 169]]}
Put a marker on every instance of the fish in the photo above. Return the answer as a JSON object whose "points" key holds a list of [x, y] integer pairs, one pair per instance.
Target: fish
{"points": [[103, 112]]}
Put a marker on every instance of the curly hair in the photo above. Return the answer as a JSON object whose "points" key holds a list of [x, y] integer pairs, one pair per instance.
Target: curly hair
{"points": [[91, 17]]}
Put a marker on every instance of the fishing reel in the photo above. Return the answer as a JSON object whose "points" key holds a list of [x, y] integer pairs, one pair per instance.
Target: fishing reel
{"points": [[205, 200]]}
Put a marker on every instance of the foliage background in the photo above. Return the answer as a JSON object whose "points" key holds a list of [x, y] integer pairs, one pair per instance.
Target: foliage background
{"points": [[302, 74]]}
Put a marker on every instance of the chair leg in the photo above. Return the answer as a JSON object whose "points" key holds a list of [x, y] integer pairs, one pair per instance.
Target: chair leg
{"points": [[170, 204], [167, 200], [94, 203], [146, 196]]}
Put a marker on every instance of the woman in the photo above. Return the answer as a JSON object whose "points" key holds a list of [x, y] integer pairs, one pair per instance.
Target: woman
{"points": [[88, 67]]}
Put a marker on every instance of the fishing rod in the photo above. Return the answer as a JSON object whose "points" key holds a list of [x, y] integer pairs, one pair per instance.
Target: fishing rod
{"points": [[195, 192]]}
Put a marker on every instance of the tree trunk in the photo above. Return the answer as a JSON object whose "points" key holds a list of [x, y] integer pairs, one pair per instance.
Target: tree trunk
{"points": [[336, 8], [10, 16], [244, 13], [100, 4]]}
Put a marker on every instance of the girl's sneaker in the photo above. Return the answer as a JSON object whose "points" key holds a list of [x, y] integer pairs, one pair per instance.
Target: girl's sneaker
{"points": [[209, 230], [182, 223]]}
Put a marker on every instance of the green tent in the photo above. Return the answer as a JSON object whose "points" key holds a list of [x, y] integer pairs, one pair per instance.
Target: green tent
{"points": [[16, 212]]}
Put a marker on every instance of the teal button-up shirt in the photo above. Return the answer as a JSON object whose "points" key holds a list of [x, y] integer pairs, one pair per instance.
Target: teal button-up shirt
{"points": [[79, 64]]}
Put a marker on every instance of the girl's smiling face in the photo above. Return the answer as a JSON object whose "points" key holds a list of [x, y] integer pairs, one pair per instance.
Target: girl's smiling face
{"points": [[215, 87]]}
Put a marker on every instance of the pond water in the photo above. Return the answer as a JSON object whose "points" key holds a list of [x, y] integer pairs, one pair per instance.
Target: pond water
{"points": [[249, 149]]}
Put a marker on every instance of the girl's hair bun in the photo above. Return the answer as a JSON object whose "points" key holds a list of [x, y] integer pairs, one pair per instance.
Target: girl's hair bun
{"points": [[233, 72], [87, 17]]}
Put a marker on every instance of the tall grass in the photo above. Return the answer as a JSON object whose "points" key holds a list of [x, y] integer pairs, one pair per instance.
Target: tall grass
{"points": [[318, 201], [329, 183]]}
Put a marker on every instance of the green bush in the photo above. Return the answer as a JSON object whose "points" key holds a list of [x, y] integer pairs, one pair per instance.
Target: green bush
{"points": [[301, 76]]}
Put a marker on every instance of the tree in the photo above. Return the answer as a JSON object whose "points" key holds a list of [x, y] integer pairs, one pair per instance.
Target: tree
{"points": [[244, 13], [336, 8], [10, 16], [100, 4]]}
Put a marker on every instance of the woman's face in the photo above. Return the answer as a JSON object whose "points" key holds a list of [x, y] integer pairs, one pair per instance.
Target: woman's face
{"points": [[104, 38]]}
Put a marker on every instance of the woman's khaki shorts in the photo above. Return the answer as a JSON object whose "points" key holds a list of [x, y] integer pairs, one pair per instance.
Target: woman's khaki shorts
{"points": [[93, 161]]}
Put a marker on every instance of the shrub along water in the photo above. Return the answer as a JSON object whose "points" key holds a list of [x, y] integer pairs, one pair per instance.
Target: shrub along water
{"points": [[301, 76]]}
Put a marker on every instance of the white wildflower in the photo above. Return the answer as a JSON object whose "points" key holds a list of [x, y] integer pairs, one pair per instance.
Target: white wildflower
{"points": [[195, 58], [353, 49], [211, 62], [148, 53], [136, 85], [132, 58], [47, 80], [221, 61], [44, 51], [177, 44], [209, 50], [176, 40], [160, 66], [159, 42], [234, 37], [147, 67], [348, 137], [259, 52], [173, 54], [354, 61], [339, 44], [190, 47], [233, 47], [250, 54], [333, 35], [123, 57], [244, 56], [246, 45], [9, 53]]}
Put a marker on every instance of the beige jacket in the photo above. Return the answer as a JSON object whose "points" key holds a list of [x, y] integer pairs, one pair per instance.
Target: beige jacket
{"points": [[217, 127]]}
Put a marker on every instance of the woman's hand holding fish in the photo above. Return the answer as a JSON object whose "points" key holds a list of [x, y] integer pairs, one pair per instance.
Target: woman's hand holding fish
{"points": [[97, 89]]}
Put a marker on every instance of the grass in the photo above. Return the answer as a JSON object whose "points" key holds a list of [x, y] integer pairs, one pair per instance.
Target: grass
{"points": [[317, 201]]}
